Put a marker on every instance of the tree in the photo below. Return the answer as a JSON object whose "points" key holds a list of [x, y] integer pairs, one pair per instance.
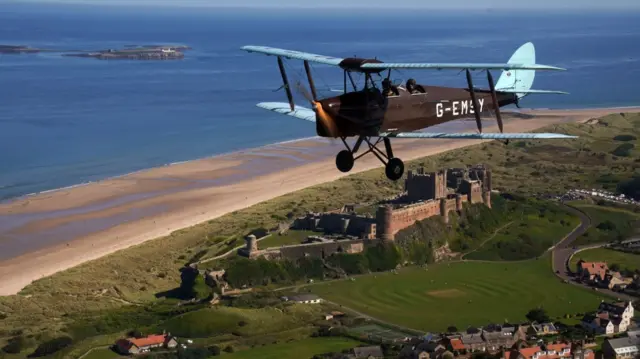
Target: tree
{"points": [[615, 267], [135, 333], [52, 346], [15, 345], [228, 349], [538, 315], [452, 329], [214, 350]]}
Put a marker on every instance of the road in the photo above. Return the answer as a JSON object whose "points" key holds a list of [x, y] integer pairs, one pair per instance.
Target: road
{"points": [[563, 251]]}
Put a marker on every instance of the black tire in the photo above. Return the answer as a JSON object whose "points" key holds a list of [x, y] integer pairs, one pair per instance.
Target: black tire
{"points": [[344, 161], [394, 169]]}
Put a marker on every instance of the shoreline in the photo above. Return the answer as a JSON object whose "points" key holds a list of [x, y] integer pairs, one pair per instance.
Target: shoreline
{"points": [[234, 152], [224, 183]]}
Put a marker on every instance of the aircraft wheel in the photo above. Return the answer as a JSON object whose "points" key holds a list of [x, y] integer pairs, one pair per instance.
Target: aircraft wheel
{"points": [[394, 169], [344, 161]]}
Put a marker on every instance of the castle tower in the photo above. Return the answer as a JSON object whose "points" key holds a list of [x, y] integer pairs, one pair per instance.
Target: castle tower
{"points": [[384, 222], [486, 198], [487, 179], [252, 244], [443, 210], [458, 202]]}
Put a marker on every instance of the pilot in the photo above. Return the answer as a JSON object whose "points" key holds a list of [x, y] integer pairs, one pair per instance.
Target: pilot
{"points": [[387, 90], [411, 86]]}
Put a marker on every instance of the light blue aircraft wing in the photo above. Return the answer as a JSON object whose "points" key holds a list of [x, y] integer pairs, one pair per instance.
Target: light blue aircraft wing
{"points": [[283, 108], [477, 136], [459, 66], [291, 54]]}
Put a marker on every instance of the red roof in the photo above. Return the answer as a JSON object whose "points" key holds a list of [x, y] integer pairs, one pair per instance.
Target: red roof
{"points": [[529, 352], [150, 340], [456, 344]]}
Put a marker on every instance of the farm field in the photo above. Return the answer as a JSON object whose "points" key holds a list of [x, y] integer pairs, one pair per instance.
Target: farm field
{"points": [[460, 294], [628, 261], [306, 348]]}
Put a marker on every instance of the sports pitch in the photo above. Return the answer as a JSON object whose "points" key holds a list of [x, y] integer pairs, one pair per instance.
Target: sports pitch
{"points": [[461, 294]]}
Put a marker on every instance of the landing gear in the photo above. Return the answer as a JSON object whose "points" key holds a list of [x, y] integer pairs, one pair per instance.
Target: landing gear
{"points": [[394, 167], [344, 161]]}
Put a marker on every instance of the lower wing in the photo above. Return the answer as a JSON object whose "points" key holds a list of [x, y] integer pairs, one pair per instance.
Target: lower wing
{"points": [[479, 136], [309, 115]]}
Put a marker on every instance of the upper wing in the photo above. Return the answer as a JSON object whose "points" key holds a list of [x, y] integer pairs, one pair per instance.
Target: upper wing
{"points": [[298, 55], [283, 108], [481, 136], [459, 66]]}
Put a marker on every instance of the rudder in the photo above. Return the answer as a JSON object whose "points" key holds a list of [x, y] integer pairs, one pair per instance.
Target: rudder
{"points": [[519, 80]]}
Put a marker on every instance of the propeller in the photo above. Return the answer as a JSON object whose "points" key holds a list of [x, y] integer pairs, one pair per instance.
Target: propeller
{"points": [[327, 121]]}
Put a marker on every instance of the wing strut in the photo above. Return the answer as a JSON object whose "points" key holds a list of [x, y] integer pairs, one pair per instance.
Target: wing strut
{"points": [[286, 83], [311, 84], [496, 105], [474, 101]]}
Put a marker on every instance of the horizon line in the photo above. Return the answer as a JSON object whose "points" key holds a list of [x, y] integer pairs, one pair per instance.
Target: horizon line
{"points": [[164, 5]]}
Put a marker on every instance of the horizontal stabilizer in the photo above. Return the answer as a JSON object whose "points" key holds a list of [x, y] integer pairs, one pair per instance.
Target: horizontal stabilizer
{"points": [[527, 92], [460, 66], [283, 108], [479, 136]]}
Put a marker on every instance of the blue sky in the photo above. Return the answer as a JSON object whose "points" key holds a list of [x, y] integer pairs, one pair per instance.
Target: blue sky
{"points": [[448, 4]]}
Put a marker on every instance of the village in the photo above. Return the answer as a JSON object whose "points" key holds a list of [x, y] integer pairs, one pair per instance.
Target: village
{"points": [[611, 324]]}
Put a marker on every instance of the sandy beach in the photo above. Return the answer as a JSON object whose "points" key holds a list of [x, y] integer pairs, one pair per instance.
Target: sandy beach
{"points": [[60, 229]]}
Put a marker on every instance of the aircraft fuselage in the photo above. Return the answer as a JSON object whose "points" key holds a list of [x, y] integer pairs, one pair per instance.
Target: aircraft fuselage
{"points": [[369, 112]]}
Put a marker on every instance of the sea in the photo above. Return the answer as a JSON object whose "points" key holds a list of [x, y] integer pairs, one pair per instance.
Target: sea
{"points": [[65, 121]]}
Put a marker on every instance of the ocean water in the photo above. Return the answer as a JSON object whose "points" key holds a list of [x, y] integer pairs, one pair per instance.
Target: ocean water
{"points": [[65, 121]]}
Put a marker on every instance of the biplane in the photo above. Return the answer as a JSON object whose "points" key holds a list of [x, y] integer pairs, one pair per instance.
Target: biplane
{"points": [[376, 114]]}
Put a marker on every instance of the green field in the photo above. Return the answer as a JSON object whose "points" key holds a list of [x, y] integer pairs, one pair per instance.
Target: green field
{"points": [[460, 294], [623, 223], [303, 349], [527, 237], [628, 261]]}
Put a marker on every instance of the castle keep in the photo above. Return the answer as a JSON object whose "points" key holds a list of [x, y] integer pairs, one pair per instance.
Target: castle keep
{"points": [[426, 194]]}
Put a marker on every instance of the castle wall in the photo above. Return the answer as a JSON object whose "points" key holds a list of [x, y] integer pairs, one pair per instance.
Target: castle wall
{"points": [[324, 250], [348, 224]]}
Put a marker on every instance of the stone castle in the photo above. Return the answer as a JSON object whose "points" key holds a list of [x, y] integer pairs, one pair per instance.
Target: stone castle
{"points": [[426, 194]]}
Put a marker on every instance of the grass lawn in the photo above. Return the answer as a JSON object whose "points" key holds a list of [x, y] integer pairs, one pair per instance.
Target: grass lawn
{"points": [[289, 238], [624, 260], [306, 348], [622, 220], [527, 237], [102, 353], [460, 294]]}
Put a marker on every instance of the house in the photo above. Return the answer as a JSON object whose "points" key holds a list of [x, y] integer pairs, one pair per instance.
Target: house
{"points": [[593, 272], [305, 298], [473, 342], [457, 347], [328, 317], [598, 324], [498, 339], [368, 352], [622, 348], [550, 351], [610, 318], [543, 328], [143, 345]]}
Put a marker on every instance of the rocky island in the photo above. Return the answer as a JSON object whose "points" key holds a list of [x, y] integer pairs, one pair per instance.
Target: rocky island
{"points": [[17, 49], [137, 53]]}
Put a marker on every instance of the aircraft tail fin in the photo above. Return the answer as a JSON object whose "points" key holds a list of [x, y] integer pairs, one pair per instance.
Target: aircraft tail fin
{"points": [[519, 81]]}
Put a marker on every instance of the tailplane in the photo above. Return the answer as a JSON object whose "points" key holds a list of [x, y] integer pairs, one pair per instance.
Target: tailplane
{"points": [[521, 81]]}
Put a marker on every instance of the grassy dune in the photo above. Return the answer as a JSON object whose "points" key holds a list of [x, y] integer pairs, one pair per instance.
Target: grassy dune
{"points": [[622, 220], [460, 294], [133, 276], [295, 350]]}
